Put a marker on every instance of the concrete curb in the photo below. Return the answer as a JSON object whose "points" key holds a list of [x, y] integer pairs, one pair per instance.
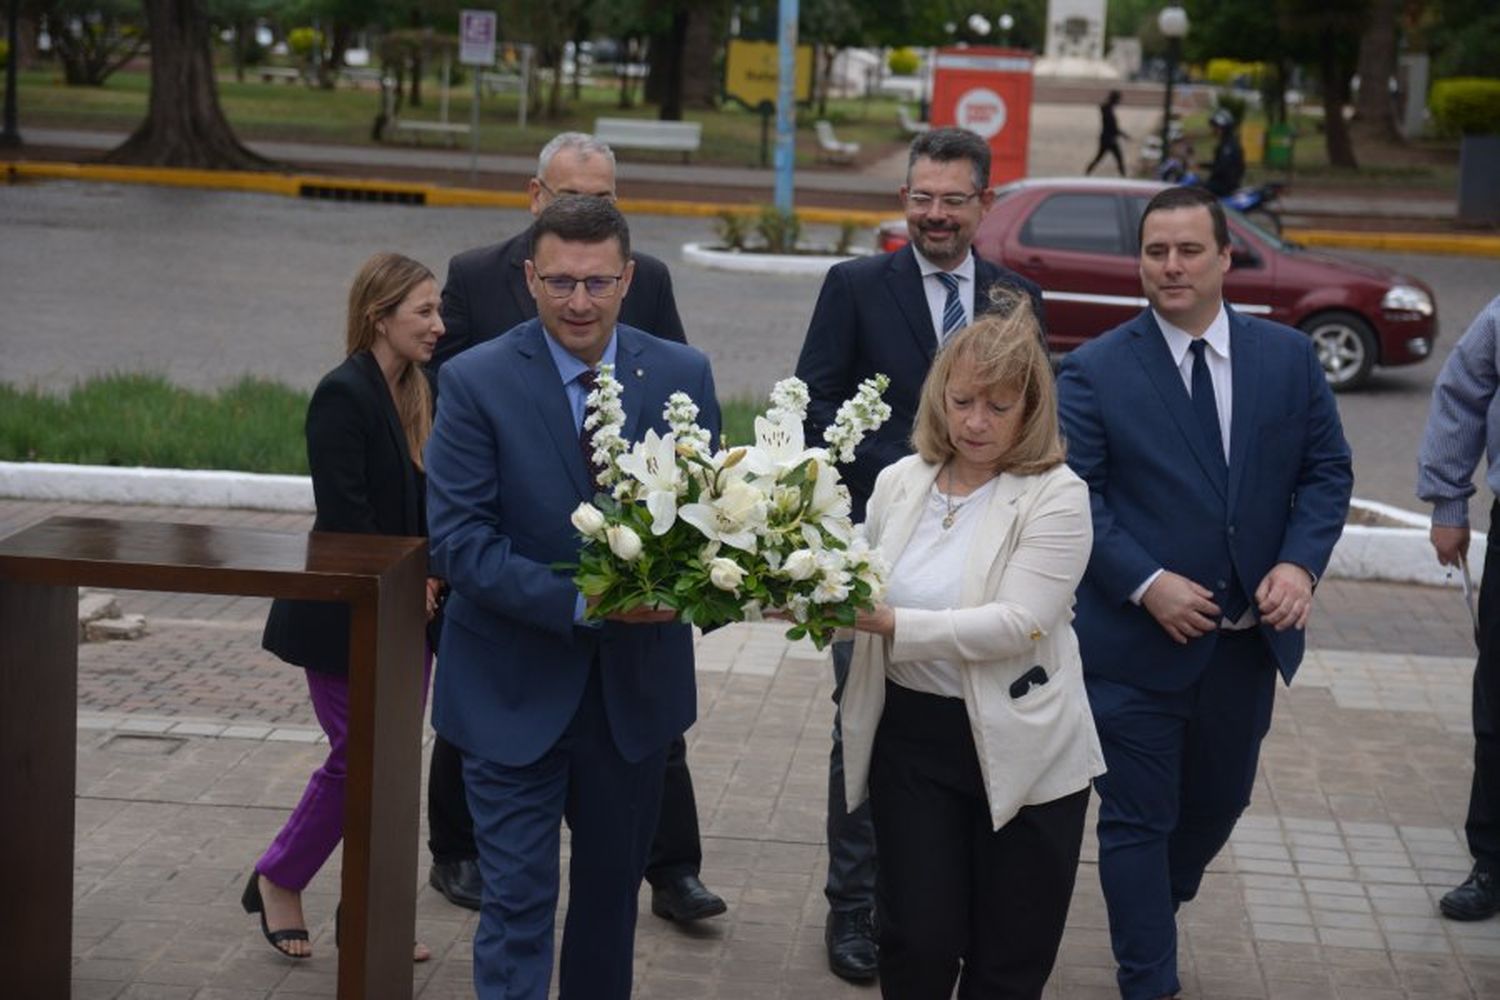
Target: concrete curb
{"points": [[422, 193], [155, 487], [1394, 555], [719, 259]]}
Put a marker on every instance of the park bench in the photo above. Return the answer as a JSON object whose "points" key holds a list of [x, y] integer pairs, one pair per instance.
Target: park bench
{"points": [[358, 76], [909, 125], [287, 74], [637, 133], [830, 147], [450, 131]]}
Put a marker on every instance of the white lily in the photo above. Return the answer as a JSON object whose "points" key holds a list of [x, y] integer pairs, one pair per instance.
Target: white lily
{"points": [[653, 464], [830, 505], [778, 445], [734, 517]]}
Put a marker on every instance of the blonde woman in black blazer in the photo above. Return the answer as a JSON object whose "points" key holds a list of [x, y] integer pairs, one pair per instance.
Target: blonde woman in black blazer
{"points": [[366, 425]]}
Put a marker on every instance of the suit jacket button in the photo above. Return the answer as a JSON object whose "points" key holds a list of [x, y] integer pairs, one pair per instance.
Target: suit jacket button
{"points": [[1231, 531], [1221, 584]]}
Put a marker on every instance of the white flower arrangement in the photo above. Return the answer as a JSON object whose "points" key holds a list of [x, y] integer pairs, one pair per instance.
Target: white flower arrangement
{"points": [[723, 536]]}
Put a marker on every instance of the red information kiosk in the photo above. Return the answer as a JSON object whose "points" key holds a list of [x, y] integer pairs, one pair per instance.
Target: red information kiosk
{"points": [[988, 91]]}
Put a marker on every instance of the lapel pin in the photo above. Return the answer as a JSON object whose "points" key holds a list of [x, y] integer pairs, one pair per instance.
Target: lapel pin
{"points": [[640, 373]]}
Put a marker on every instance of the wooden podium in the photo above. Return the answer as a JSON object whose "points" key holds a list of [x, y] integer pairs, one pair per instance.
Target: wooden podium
{"points": [[382, 580]]}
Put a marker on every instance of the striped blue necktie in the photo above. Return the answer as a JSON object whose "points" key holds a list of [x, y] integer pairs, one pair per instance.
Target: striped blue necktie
{"points": [[953, 308]]}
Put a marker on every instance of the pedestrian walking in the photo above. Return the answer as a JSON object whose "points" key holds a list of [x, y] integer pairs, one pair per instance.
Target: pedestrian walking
{"points": [[1109, 135]]}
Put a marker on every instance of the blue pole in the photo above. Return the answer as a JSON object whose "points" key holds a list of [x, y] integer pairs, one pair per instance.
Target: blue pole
{"points": [[786, 108]]}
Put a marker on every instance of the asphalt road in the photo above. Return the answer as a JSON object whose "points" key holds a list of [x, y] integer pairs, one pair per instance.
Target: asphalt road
{"points": [[206, 286]]}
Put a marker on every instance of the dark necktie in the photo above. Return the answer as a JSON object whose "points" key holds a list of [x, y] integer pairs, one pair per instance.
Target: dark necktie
{"points": [[1232, 601], [953, 307], [588, 379], [1205, 404]]}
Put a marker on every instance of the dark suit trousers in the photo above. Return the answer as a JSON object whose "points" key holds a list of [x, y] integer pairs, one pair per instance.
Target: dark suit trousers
{"points": [[676, 849], [953, 891], [851, 835], [1181, 768], [1483, 824], [610, 806]]}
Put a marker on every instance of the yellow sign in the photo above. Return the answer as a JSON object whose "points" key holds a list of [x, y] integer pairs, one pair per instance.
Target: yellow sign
{"points": [[751, 71]]}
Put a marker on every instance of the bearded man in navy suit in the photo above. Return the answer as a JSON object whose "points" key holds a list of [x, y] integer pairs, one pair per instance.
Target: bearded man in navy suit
{"points": [[1220, 481], [558, 718]]}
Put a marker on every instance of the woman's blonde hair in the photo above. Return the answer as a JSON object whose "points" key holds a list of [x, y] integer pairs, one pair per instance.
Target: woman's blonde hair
{"points": [[1004, 346], [379, 288]]}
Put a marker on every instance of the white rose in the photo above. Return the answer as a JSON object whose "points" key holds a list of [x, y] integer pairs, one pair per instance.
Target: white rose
{"points": [[800, 565], [623, 542], [588, 519], [725, 574]]}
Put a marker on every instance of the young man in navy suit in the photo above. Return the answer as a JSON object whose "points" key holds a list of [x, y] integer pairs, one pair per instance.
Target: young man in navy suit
{"points": [[889, 314], [485, 296], [558, 718], [1220, 480]]}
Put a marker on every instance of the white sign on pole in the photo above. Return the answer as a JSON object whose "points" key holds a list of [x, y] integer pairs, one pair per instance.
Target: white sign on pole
{"points": [[476, 37]]}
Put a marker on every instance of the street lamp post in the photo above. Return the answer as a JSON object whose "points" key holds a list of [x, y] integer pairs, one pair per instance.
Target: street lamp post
{"points": [[10, 135], [1006, 23], [1173, 23]]}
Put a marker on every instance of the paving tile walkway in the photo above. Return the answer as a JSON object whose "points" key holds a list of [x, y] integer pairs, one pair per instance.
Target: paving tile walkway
{"points": [[193, 744]]}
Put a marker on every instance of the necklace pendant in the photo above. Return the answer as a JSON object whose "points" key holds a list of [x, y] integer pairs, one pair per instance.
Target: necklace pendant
{"points": [[948, 519]]}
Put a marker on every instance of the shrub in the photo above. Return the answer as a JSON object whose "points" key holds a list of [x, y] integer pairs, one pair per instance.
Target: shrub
{"points": [[848, 230], [1234, 73], [779, 230], [903, 61], [304, 41], [732, 228], [1466, 105], [4, 53]]}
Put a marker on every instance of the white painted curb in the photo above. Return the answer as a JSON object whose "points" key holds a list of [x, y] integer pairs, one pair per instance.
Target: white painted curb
{"points": [[706, 255], [1396, 555], [155, 487]]}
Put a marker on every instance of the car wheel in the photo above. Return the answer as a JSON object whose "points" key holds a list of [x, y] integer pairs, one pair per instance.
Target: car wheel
{"points": [[1346, 348], [1265, 219]]}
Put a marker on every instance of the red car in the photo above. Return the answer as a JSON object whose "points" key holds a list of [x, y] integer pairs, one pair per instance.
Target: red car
{"points": [[1076, 238]]}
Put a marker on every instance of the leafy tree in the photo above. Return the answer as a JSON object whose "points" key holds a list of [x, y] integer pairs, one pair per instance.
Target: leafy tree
{"points": [[93, 38]]}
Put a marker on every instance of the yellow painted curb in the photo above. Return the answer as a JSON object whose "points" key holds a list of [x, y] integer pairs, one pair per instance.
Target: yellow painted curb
{"points": [[1435, 243], [423, 193], [366, 189]]}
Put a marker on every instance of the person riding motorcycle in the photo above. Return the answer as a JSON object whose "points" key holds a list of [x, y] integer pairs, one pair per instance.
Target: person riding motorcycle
{"points": [[1227, 169]]}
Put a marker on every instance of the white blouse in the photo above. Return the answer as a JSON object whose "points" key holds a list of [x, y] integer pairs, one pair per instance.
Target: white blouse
{"points": [[929, 575]]}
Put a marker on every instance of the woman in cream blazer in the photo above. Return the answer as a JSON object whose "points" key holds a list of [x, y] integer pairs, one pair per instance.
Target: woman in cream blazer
{"points": [[965, 717]]}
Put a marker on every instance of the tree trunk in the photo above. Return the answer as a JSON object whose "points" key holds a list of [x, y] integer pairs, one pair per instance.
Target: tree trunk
{"points": [[338, 44], [184, 126], [700, 83], [417, 60], [671, 54], [1335, 96], [1375, 110], [242, 27], [555, 85]]}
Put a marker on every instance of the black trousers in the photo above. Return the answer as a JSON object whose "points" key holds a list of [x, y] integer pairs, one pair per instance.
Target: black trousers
{"points": [[1110, 148], [1483, 824], [676, 849], [952, 892]]}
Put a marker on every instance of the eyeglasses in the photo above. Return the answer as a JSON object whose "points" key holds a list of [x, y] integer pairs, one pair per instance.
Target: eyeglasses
{"points": [[922, 201], [598, 286], [608, 196]]}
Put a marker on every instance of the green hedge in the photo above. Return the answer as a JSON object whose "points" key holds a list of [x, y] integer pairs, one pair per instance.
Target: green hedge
{"points": [[1466, 105]]}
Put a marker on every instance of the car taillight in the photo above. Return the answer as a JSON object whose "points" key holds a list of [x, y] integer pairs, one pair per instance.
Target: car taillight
{"points": [[892, 239]]}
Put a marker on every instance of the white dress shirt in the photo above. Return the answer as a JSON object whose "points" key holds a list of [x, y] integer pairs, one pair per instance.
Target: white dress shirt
{"points": [[937, 292], [1217, 358]]}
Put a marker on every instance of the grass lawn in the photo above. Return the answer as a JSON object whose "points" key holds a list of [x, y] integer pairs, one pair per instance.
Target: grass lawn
{"points": [[731, 136], [143, 420]]}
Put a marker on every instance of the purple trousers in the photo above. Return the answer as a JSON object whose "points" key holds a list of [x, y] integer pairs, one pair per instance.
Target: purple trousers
{"points": [[316, 826]]}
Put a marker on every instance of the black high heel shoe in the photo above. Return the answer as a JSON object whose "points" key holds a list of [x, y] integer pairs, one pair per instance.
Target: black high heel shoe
{"points": [[253, 903]]}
